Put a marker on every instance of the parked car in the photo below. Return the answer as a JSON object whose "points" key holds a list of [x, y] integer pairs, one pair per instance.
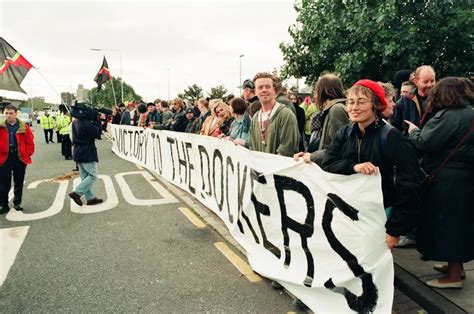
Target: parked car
{"points": [[25, 117]]}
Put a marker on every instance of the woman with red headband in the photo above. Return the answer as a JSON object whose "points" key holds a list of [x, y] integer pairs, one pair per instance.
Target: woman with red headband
{"points": [[368, 146]]}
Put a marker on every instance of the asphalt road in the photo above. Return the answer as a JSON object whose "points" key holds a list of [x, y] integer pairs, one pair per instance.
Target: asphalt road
{"points": [[130, 254]]}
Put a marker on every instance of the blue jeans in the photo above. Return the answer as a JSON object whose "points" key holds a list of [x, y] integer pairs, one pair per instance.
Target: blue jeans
{"points": [[88, 173]]}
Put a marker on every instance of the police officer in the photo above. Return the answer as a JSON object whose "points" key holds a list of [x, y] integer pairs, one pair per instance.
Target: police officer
{"points": [[47, 123], [16, 148]]}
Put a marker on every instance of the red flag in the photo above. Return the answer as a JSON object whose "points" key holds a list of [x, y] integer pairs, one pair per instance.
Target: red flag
{"points": [[13, 67]]}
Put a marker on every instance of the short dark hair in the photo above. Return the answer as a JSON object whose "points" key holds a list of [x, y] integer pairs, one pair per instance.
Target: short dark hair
{"points": [[164, 104], [10, 107], [238, 105]]}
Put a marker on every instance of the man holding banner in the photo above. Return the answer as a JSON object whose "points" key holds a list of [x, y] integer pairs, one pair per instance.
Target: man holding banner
{"points": [[274, 128]]}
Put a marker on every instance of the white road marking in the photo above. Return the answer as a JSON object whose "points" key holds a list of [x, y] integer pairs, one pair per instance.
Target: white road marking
{"points": [[131, 199], [11, 240], [55, 208], [109, 203]]}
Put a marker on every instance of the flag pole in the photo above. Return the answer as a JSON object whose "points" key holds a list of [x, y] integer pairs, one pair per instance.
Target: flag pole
{"points": [[31, 96], [51, 85], [113, 90]]}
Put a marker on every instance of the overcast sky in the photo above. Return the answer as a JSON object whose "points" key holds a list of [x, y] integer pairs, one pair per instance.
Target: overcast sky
{"points": [[199, 41]]}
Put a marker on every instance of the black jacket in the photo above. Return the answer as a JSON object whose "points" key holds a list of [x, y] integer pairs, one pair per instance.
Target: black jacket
{"points": [[410, 109], [301, 119], [401, 174], [117, 118], [84, 134], [446, 228], [179, 122], [191, 126], [153, 116], [225, 127]]}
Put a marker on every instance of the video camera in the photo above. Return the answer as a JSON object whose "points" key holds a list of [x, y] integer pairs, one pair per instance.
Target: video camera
{"points": [[86, 111]]}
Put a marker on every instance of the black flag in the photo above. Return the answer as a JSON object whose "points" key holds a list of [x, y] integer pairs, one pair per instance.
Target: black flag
{"points": [[103, 75]]}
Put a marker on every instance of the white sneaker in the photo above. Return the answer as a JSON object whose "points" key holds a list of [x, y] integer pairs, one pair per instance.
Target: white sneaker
{"points": [[406, 242]]}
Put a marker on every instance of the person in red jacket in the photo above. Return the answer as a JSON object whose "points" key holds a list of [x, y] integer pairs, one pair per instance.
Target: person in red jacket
{"points": [[16, 148]]}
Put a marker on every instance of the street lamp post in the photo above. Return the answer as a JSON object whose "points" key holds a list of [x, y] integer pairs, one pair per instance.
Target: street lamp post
{"points": [[240, 73], [121, 69], [169, 83]]}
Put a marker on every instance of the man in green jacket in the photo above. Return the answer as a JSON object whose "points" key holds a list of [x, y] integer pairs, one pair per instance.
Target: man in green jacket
{"points": [[47, 123], [274, 128]]}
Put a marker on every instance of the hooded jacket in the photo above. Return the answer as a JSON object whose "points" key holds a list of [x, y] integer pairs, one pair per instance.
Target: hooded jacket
{"points": [[282, 133]]}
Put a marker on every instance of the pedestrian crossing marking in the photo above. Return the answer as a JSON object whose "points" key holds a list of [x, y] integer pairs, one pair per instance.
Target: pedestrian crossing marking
{"points": [[192, 217], [239, 263]]}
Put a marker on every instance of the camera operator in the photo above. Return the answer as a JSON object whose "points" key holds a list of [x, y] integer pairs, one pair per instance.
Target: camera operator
{"points": [[84, 133]]}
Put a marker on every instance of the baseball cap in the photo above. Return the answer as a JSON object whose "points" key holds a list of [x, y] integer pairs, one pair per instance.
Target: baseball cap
{"points": [[190, 110], [249, 84]]}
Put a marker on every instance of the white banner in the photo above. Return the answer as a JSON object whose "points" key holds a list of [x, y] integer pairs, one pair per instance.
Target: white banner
{"points": [[320, 235]]}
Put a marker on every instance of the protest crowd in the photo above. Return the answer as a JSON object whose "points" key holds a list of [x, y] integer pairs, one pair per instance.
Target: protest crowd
{"points": [[417, 133]]}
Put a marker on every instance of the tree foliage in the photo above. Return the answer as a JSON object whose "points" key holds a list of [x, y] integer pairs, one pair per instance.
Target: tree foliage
{"points": [[192, 93], [105, 97], [36, 104], [374, 39], [217, 92]]}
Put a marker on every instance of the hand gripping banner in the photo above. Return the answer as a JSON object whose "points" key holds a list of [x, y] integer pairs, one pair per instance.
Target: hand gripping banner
{"points": [[320, 235]]}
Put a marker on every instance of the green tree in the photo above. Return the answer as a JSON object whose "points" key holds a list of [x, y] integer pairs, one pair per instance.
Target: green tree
{"points": [[105, 97], [192, 93], [37, 104], [218, 92], [374, 39]]}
